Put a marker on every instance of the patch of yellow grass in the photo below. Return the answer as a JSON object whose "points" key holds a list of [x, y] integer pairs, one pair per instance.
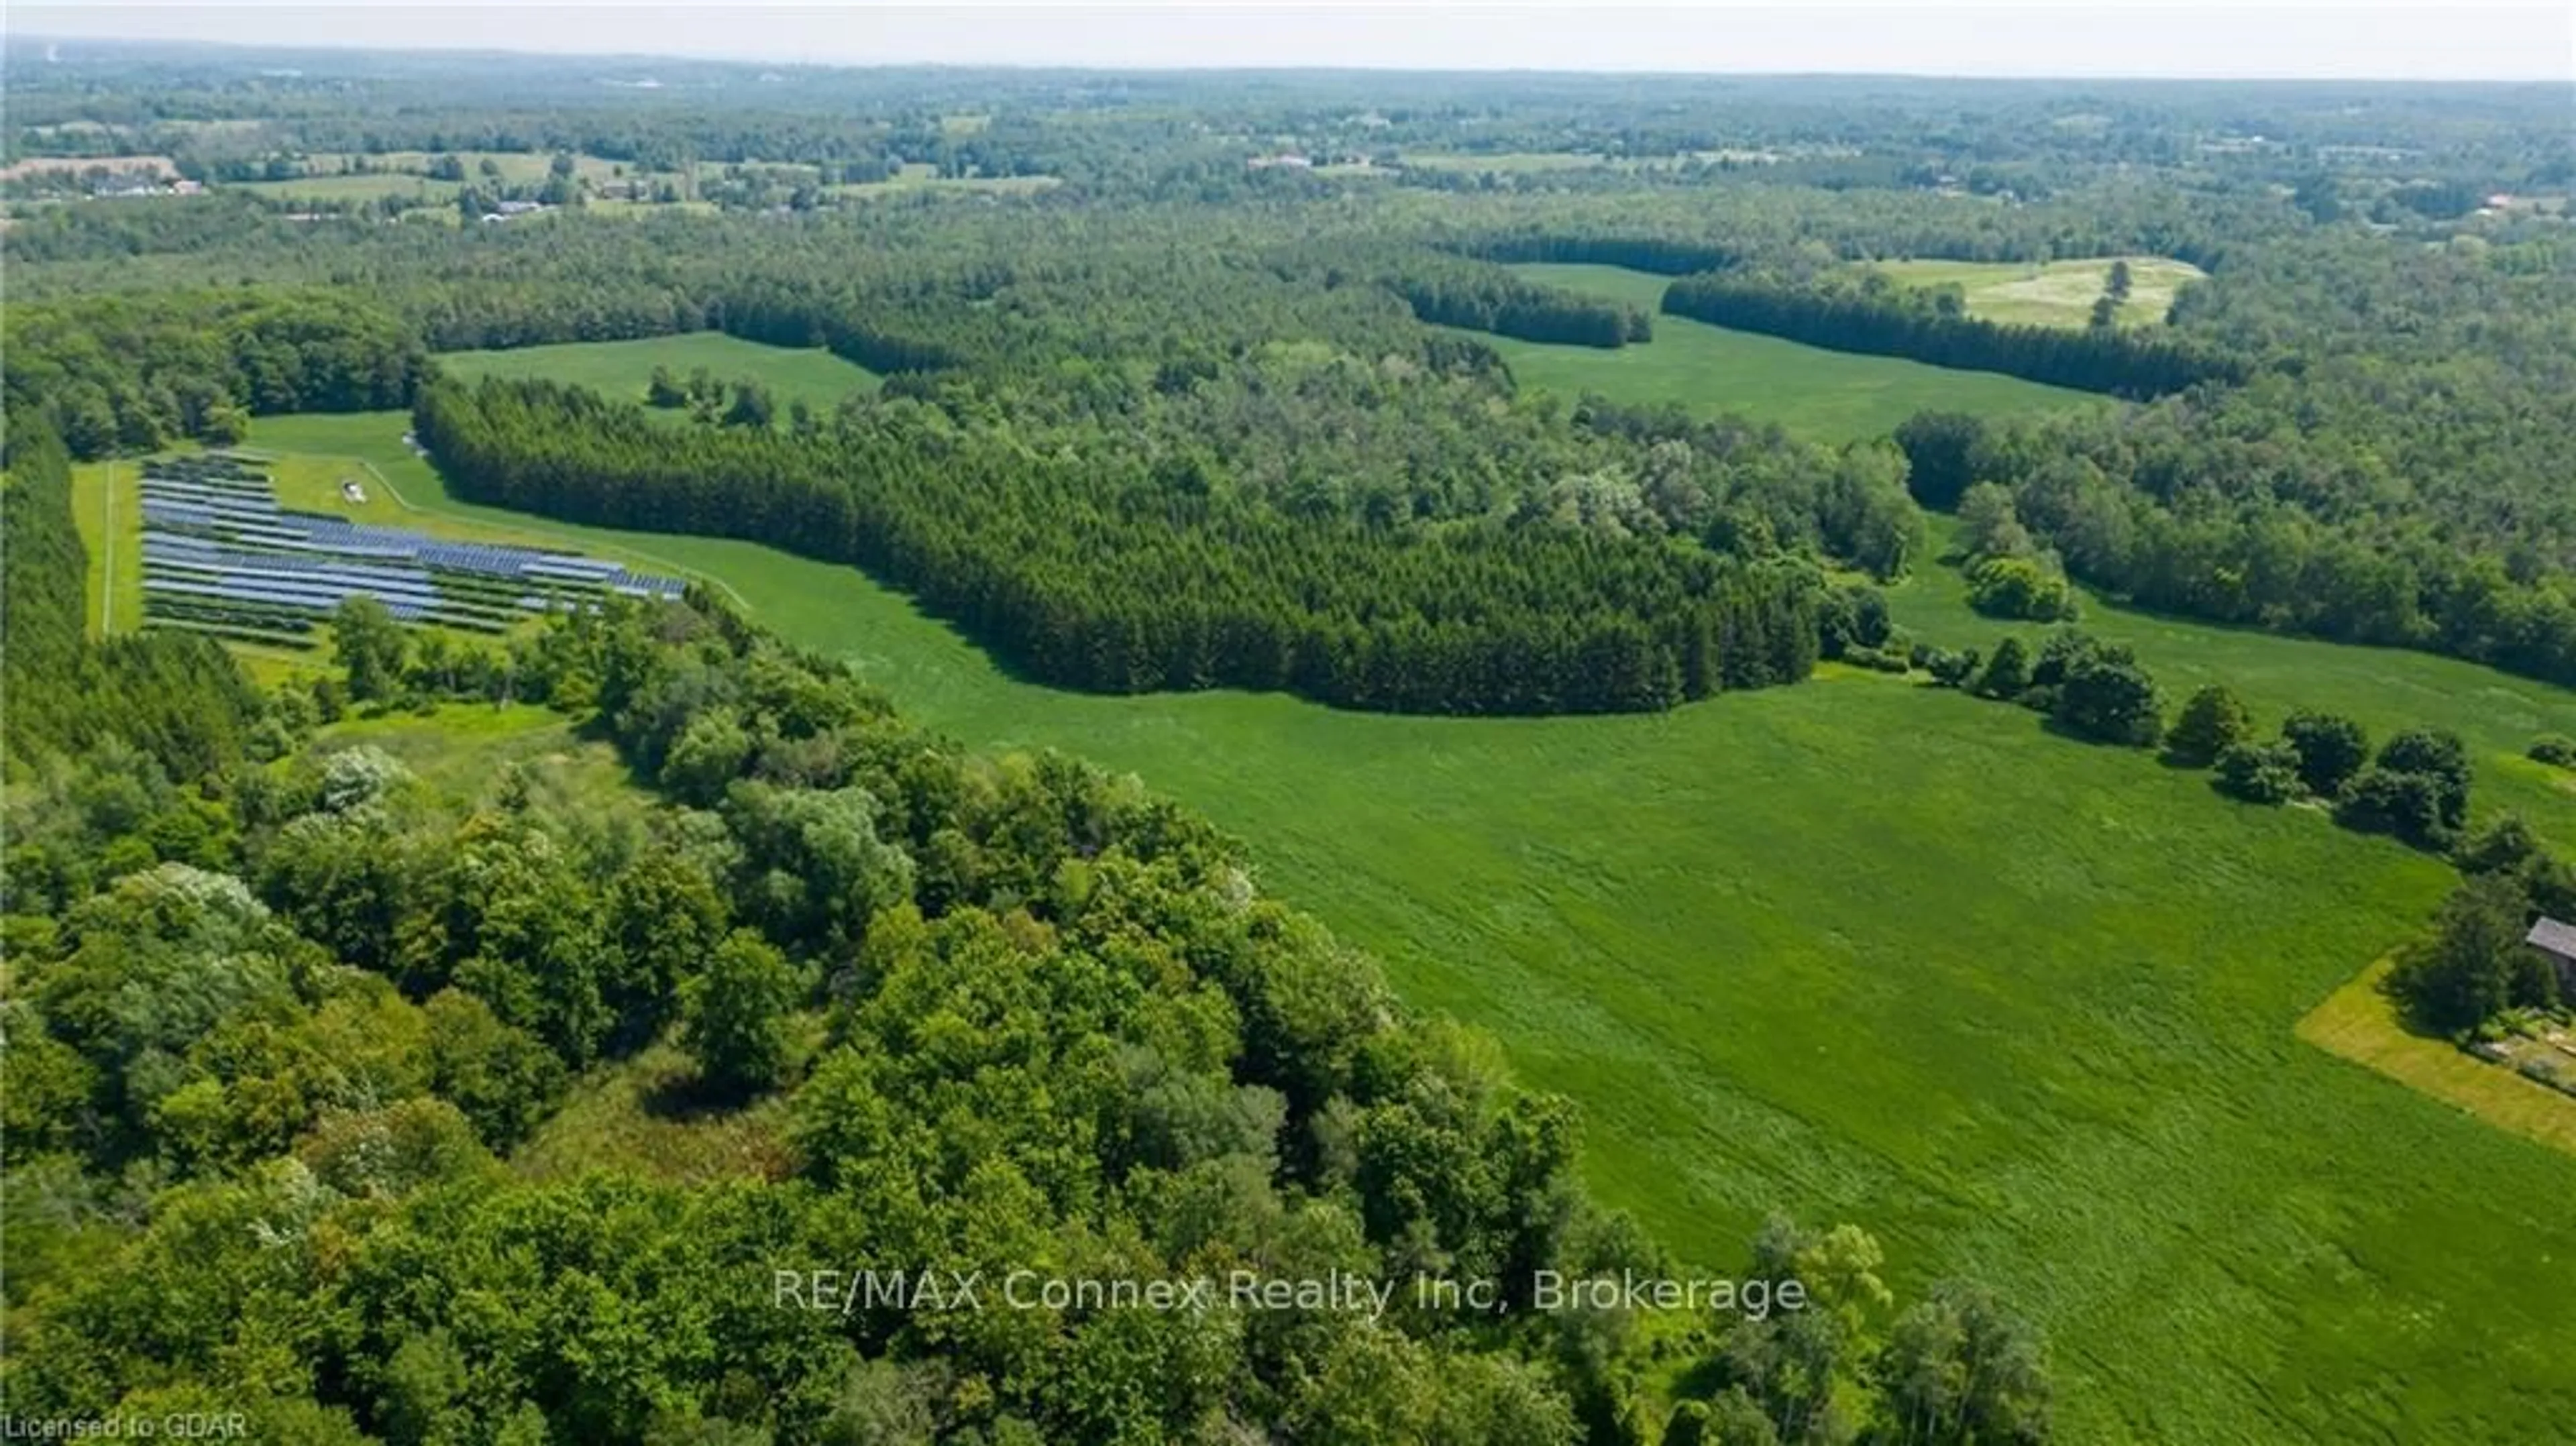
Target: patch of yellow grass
{"points": [[2359, 1023]]}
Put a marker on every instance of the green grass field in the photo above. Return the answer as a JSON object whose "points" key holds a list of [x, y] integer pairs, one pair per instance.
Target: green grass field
{"points": [[1866, 950], [1504, 162], [624, 368], [1825, 395], [922, 176], [351, 188], [2059, 293]]}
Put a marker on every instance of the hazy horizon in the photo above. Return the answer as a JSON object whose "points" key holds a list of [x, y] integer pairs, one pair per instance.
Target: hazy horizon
{"points": [[2505, 43]]}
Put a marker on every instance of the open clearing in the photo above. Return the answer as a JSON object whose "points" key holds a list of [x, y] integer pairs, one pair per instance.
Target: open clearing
{"points": [[634, 1113], [2359, 1023], [2060, 293], [351, 188], [1865, 950], [624, 369], [1825, 395], [515, 168], [2386, 689]]}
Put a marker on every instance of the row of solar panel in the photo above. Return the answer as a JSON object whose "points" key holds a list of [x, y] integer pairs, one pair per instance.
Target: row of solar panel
{"points": [[264, 505], [384, 584], [255, 509], [260, 592], [216, 525]]}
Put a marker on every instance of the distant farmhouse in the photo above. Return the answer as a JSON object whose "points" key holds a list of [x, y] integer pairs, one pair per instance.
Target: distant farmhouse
{"points": [[2558, 941]]}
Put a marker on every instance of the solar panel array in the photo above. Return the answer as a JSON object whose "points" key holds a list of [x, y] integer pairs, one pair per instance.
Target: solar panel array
{"points": [[220, 555]]}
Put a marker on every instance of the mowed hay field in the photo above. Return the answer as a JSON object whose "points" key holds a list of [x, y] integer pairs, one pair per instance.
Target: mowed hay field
{"points": [[1864, 950], [624, 369], [1824, 395], [335, 188], [2058, 293]]}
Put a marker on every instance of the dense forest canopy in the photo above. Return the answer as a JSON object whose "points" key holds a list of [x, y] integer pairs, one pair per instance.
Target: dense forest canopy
{"points": [[1174, 382]]}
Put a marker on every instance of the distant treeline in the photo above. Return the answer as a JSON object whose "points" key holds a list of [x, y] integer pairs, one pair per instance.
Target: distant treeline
{"points": [[1895, 322], [112, 374], [1087, 578], [1444, 288], [1662, 256], [2127, 509]]}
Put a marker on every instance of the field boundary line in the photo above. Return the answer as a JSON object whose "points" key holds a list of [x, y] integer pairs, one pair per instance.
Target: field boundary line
{"points": [[107, 550]]}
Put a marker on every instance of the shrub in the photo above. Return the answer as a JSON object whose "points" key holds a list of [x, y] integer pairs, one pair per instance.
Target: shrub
{"points": [[2020, 587], [1949, 669], [2556, 749], [2390, 801], [2007, 673], [2213, 721], [1851, 619], [2439, 756], [2331, 750], [2108, 696], [2259, 772]]}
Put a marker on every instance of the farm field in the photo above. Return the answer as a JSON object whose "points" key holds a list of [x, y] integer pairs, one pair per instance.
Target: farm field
{"points": [[1867, 950], [1826, 395], [1529, 162], [2059, 293], [517, 168], [625, 368], [922, 176], [350, 187]]}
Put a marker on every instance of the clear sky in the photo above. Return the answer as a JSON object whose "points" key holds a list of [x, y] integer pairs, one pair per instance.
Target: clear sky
{"points": [[2520, 41]]}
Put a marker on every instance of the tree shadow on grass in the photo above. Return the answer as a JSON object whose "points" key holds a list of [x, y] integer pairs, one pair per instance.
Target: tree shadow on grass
{"points": [[683, 1097]]}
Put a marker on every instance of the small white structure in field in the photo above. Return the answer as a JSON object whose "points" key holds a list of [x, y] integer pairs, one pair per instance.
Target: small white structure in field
{"points": [[350, 491]]}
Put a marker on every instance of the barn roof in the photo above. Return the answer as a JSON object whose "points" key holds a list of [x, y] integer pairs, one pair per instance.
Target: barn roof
{"points": [[2557, 938]]}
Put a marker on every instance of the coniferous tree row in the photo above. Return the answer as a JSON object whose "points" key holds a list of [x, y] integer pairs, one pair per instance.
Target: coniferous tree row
{"points": [[175, 696], [1663, 256], [1508, 306], [1895, 322], [1445, 288], [1087, 579]]}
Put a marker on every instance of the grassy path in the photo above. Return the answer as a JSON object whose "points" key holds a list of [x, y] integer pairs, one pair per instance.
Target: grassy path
{"points": [[107, 568], [2359, 1023]]}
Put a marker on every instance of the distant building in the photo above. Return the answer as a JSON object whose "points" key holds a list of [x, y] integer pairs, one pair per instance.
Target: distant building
{"points": [[2558, 941]]}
